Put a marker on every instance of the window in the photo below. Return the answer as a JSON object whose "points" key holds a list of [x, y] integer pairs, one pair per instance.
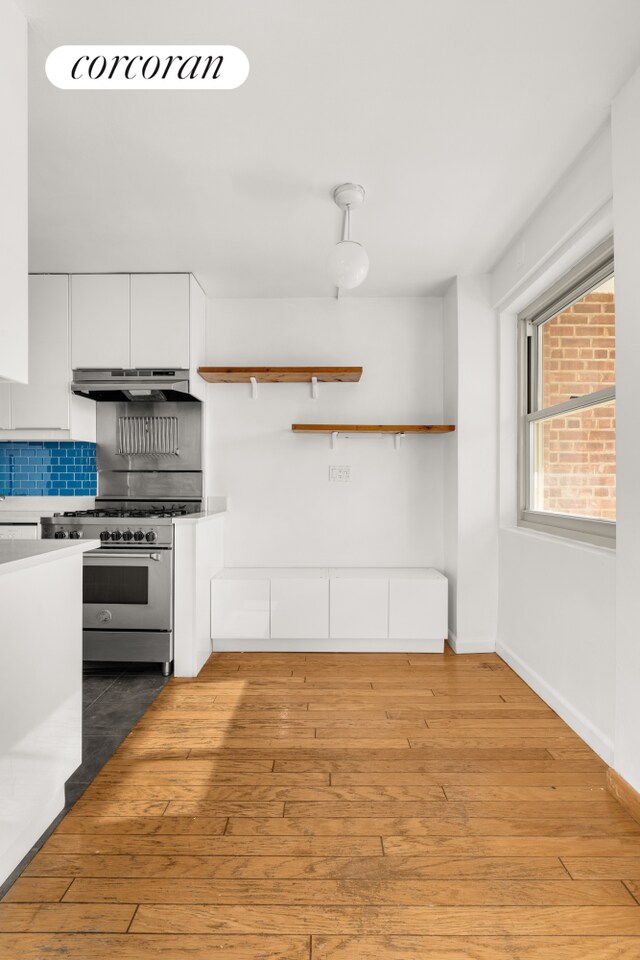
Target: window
{"points": [[567, 388]]}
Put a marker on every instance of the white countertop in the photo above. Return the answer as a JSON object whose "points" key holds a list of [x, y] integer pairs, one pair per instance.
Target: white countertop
{"points": [[201, 516], [22, 516], [20, 554], [30, 508], [329, 573], [34, 508]]}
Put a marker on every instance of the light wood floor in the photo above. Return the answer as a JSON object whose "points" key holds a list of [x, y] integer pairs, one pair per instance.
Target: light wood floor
{"points": [[339, 807]]}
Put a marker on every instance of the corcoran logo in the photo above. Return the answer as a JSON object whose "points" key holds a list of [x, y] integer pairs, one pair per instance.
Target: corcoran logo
{"points": [[147, 68]]}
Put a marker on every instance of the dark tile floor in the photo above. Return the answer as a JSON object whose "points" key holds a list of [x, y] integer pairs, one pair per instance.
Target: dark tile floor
{"points": [[113, 700]]}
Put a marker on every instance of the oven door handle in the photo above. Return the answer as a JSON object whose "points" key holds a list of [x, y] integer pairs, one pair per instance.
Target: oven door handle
{"points": [[103, 555]]}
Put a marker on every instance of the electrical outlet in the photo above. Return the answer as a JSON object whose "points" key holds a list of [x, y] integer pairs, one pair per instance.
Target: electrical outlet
{"points": [[339, 473]]}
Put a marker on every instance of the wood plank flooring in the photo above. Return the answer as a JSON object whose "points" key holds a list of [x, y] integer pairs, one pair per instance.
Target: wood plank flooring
{"points": [[339, 807]]}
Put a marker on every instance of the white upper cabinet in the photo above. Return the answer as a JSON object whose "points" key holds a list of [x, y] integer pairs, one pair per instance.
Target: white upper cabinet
{"points": [[132, 320], [44, 402], [93, 321], [14, 324], [160, 320], [99, 320], [45, 408]]}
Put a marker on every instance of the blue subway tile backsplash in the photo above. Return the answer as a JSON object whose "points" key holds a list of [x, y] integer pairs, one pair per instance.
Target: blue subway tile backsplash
{"points": [[48, 468]]}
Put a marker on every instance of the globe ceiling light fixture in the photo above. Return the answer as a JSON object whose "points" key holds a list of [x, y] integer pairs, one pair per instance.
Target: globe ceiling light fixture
{"points": [[348, 264]]}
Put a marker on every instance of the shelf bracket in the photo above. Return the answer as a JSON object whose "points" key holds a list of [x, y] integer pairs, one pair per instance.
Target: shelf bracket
{"points": [[254, 388], [314, 388], [334, 439], [397, 440]]}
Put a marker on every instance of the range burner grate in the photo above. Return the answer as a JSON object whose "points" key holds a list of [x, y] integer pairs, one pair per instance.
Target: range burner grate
{"points": [[132, 513]]}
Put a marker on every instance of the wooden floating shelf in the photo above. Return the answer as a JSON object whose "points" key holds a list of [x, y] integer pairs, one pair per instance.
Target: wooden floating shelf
{"points": [[372, 428], [280, 374]]}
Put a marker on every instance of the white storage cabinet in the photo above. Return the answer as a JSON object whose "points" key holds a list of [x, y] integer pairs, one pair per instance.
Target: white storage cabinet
{"points": [[19, 531], [329, 609], [359, 606], [160, 320], [299, 607], [100, 320], [45, 408], [14, 321], [240, 607], [131, 320]]}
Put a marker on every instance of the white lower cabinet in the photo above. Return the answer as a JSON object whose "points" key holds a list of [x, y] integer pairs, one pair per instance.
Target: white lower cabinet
{"points": [[418, 607], [314, 607], [19, 531], [299, 608], [359, 609], [240, 609]]}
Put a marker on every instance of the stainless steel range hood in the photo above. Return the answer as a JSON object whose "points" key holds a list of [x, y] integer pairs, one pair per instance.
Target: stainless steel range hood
{"points": [[149, 385]]}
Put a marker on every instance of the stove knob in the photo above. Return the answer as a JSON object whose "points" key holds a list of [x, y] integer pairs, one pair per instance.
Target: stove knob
{"points": [[127, 535], [60, 535], [151, 536], [75, 534], [138, 535], [116, 535], [105, 535]]}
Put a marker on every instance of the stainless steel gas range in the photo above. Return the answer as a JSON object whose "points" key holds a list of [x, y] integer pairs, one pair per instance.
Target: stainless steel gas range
{"points": [[127, 588], [149, 472]]}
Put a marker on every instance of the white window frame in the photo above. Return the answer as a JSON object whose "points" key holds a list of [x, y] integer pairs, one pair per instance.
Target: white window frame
{"points": [[592, 271]]}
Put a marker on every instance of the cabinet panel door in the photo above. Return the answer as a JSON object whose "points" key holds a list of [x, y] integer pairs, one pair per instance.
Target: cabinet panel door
{"points": [[5, 406], [14, 266], [100, 320], [359, 609], [418, 609], [300, 609], [19, 531], [240, 609], [160, 320], [44, 401]]}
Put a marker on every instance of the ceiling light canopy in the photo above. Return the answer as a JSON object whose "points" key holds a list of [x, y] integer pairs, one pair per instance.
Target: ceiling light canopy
{"points": [[348, 263]]}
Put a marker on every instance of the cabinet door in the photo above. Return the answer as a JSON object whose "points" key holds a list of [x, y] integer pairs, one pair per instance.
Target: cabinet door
{"points": [[100, 320], [418, 609], [18, 531], [44, 402], [300, 609], [5, 406], [359, 609], [14, 322], [239, 609], [160, 320]]}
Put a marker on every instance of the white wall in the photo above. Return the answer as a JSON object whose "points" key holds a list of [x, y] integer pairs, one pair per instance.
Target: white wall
{"points": [[556, 622], [283, 509], [450, 465], [626, 164], [13, 194], [557, 627], [555, 230], [471, 464]]}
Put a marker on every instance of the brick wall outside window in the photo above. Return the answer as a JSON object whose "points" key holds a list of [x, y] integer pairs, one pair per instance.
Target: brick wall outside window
{"points": [[575, 453]]}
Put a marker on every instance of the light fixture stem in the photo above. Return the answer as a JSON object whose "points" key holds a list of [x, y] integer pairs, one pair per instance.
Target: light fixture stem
{"points": [[346, 229]]}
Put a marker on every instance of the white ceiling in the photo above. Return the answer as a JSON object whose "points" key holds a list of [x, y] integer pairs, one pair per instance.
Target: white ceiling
{"points": [[455, 115]]}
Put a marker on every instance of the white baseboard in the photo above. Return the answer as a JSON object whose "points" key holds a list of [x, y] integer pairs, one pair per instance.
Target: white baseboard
{"points": [[474, 645], [597, 740], [330, 646]]}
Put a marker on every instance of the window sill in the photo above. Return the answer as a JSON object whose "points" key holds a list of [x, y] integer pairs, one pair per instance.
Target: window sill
{"points": [[594, 533]]}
